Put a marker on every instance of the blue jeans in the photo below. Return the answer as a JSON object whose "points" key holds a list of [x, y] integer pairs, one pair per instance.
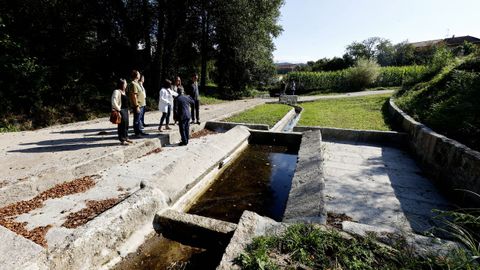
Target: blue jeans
{"points": [[137, 124], [142, 117]]}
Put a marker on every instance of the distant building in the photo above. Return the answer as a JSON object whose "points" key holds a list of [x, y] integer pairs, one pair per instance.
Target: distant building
{"points": [[284, 68], [449, 42]]}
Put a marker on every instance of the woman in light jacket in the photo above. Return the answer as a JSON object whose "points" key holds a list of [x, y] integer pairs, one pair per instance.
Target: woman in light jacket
{"points": [[120, 103], [165, 103]]}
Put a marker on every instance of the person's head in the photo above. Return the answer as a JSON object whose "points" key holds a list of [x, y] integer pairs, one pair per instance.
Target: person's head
{"points": [[142, 79], [194, 77], [178, 81], [135, 75], [121, 84], [167, 84]]}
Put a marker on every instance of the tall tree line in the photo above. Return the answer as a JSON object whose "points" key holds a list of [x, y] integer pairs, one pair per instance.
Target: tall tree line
{"points": [[66, 53]]}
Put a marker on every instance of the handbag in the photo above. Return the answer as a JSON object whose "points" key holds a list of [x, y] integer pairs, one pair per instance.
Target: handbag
{"points": [[115, 117]]}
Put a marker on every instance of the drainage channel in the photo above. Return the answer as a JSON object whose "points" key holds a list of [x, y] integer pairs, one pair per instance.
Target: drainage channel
{"points": [[259, 180]]}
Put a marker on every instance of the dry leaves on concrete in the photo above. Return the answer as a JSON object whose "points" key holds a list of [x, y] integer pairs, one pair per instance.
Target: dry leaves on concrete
{"points": [[202, 133], [93, 209], [154, 151], [335, 220], [37, 235]]}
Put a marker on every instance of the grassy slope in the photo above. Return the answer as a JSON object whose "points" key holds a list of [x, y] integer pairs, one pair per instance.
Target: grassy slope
{"points": [[449, 103], [353, 113], [268, 114]]}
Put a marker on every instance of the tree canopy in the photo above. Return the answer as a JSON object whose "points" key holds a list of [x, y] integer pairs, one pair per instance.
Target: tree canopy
{"points": [[64, 55]]}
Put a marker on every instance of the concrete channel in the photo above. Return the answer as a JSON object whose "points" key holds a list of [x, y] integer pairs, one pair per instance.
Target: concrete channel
{"points": [[359, 181]]}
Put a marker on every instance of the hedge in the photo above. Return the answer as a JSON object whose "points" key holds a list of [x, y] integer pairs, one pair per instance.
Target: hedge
{"points": [[336, 81]]}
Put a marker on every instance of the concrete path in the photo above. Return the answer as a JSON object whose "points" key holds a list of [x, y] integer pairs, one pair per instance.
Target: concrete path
{"points": [[30, 153], [345, 95], [380, 186]]}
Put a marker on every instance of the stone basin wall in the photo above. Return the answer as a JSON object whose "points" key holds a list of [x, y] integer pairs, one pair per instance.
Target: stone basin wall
{"points": [[454, 166]]}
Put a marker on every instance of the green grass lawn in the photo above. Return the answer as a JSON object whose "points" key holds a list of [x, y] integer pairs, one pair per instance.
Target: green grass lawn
{"points": [[268, 114], [207, 100], [353, 113]]}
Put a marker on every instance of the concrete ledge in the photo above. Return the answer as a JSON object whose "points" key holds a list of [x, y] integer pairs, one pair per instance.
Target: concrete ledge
{"points": [[250, 225], [17, 252], [288, 99], [192, 229], [386, 138], [275, 138], [451, 164], [422, 245], [226, 126], [280, 125], [100, 240], [306, 200]]}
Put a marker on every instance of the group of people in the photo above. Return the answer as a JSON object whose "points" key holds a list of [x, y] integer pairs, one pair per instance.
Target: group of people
{"points": [[185, 106]]}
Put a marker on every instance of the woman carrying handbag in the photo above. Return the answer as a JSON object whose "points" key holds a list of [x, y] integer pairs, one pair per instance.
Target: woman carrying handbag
{"points": [[120, 105]]}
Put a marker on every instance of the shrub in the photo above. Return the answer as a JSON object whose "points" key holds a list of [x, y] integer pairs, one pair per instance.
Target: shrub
{"points": [[363, 74]]}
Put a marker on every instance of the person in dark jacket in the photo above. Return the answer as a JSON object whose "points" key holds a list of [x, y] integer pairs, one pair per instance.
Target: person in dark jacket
{"points": [[195, 95], [182, 110]]}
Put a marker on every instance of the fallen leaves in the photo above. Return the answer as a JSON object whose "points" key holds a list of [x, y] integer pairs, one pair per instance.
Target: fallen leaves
{"points": [[202, 133], [93, 209], [37, 235]]}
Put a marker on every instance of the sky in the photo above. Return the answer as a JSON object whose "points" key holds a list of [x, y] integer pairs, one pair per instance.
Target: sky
{"points": [[313, 29]]}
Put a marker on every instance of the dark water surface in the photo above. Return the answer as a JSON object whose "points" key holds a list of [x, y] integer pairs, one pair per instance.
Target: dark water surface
{"points": [[159, 253], [259, 181]]}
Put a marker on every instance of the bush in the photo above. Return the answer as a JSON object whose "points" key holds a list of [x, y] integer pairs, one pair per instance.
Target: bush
{"points": [[363, 74]]}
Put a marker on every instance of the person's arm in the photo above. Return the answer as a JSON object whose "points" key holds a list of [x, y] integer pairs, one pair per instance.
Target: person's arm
{"points": [[116, 100]]}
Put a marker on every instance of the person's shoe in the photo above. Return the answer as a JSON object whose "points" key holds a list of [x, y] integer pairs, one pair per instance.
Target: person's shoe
{"points": [[182, 144], [168, 128], [124, 143], [129, 141], [193, 122], [198, 122]]}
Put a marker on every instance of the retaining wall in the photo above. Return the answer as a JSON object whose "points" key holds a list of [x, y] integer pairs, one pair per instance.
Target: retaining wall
{"points": [[361, 136], [452, 165]]}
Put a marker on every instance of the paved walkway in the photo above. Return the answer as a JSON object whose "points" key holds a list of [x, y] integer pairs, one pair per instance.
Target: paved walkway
{"points": [[345, 95], [29, 153], [379, 186]]}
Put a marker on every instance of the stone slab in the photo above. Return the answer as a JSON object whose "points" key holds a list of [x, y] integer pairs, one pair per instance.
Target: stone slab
{"points": [[193, 230], [379, 185], [306, 200], [17, 252]]}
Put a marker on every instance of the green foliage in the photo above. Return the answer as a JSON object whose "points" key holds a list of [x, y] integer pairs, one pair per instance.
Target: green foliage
{"points": [[268, 114], [337, 81], [304, 246], [64, 61], [353, 113], [363, 74], [448, 103]]}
